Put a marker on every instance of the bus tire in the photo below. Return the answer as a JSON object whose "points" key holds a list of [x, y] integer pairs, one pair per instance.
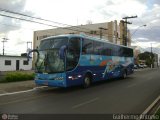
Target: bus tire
{"points": [[87, 81], [124, 75]]}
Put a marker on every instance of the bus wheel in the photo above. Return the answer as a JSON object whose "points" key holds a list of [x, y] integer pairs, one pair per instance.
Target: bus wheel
{"points": [[87, 81], [124, 75]]}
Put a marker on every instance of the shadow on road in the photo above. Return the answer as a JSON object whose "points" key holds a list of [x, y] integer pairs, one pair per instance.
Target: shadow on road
{"points": [[95, 85]]}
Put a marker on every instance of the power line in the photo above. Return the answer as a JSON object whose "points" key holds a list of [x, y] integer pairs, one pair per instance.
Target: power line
{"points": [[51, 25], [42, 23], [38, 18], [15, 26]]}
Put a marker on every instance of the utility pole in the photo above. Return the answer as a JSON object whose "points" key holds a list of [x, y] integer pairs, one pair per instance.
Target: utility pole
{"points": [[3, 41], [126, 21], [151, 57], [30, 46], [101, 34]]}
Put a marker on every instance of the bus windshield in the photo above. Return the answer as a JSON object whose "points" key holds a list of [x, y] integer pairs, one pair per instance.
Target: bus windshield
{"points": [[48, 60]]}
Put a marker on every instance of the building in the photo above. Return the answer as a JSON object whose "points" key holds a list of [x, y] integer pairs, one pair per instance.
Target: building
{"points": [[123, 34], [89, 29], [136, 52], [12, 63], [111, 31]]}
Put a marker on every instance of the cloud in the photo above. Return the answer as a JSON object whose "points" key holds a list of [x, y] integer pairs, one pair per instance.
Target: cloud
{"points": [[151, 34], [150, 17], [120, 8], [146, 10], [8, 24]]}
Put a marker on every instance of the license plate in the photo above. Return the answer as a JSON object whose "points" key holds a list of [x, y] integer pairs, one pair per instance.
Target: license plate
{"points": [[45, 83]]}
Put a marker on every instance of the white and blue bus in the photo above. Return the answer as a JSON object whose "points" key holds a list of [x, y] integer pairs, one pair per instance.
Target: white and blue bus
{"points": [[70, 60]]}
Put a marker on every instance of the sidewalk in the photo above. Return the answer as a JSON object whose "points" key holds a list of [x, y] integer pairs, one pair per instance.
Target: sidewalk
{"points": [[16, 86]]}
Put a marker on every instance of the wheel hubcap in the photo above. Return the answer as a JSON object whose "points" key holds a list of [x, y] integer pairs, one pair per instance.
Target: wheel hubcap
{"points": [[87, 81]]}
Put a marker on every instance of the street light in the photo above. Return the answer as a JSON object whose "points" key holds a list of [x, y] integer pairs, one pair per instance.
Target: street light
{"points": [[138, 28]]}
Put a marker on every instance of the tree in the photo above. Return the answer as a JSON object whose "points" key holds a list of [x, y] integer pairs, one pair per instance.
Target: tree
{"points": [[148, 57]]}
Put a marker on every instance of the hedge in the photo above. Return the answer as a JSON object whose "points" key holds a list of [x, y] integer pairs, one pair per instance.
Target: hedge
{"points": [[17, 76]]}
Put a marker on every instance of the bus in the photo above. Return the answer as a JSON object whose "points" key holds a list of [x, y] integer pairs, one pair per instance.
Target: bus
{"points": [[71, 60]]}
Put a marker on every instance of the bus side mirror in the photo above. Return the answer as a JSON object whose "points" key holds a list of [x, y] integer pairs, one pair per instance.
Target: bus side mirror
{"points": [[62, 52], [28, 55]]}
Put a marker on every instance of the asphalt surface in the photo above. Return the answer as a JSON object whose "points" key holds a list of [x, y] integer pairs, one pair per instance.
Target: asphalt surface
{"points": [[132, 95], [16, 86]]}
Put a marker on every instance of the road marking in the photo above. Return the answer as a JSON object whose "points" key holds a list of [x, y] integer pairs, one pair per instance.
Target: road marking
{"points": [[21, 100], [84, 103], [150, 107], [12, 93], [132, 85], [41, 87]]}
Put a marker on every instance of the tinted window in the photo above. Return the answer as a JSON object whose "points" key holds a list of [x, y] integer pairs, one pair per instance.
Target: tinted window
{"points": [[73, 53], [125, 52], [98, 48], [107, 50], [87, 46], [53, 43]]}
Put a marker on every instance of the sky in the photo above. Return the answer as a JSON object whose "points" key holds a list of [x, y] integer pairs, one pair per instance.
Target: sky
{"points": [[77, 12]]}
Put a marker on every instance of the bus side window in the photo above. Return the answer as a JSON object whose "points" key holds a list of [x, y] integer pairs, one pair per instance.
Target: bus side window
{"points": [[73, 53], [87, 46], [98, 46]]}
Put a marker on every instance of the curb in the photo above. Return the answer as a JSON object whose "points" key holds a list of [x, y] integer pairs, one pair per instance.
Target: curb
{"points": [[152, 108], [144, 69], [18, 92]]}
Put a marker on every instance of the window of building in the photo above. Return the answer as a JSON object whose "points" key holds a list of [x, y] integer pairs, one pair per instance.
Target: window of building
{"points": [[25, 62], [7, 62]]}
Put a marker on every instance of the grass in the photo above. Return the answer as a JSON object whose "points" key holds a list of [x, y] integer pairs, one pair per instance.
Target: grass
{"points": [[17, 76], [158, 113]]}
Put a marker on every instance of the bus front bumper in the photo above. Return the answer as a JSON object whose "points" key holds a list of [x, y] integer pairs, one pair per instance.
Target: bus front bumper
{"points": [[51, 83]]}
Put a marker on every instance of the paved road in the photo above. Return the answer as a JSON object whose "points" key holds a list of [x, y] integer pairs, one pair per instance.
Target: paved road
{"points": [[132, 95]]}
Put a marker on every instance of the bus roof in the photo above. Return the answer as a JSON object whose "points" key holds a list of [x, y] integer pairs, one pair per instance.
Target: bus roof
{"points": [[86, 36]]}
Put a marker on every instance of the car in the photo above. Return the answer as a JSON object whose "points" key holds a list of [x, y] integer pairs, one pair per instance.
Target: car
{"points": [[145, 66], [142, 65], [135, 66]]}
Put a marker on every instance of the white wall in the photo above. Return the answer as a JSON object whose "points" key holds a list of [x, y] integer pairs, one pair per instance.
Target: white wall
{"points": [[12, 67]]}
